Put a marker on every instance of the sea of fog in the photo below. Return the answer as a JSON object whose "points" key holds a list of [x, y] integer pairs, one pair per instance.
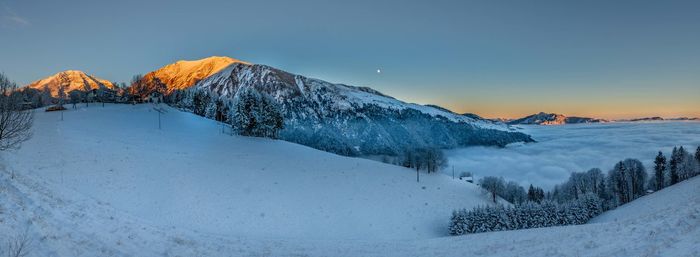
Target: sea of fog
{"points": [[561, 150]]}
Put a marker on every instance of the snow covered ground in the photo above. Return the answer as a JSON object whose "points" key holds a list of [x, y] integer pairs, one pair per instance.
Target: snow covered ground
{"points": [[561, 150], [61, 222], [100, 184], [191, 175]]}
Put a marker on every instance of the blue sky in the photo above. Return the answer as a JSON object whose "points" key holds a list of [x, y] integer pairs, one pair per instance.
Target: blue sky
{"points": [[610, 59]]}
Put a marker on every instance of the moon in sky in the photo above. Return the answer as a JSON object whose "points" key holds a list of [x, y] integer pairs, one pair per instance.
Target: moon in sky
{"points": [[379, 71]]}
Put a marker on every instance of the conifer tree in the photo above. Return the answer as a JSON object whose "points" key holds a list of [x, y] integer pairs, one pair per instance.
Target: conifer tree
{"points": [[673, 166], [253, 114], [525, 216], [242, 119], [211, 109], [270, 117], [200, 102], [687, 166], [660, 170], [535, 194], [619, 183]]}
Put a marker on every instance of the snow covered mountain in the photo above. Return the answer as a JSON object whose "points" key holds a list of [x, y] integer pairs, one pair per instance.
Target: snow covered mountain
{"points": [[76, 80], [552, 119], [353, 120], [182, 74]]}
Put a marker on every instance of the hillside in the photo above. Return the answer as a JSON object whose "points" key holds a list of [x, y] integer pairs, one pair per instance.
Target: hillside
{"points": [[654, 204], [73, 79], [144, 195], [192, 176], [552, 119], [351, 120]]}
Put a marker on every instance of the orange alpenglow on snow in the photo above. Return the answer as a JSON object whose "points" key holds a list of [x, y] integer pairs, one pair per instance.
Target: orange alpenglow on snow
{"points": [[183, 74], [76, 80]]}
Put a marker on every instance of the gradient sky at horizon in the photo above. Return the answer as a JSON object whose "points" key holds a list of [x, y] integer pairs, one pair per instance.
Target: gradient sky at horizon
{"points": [[607, 59]]}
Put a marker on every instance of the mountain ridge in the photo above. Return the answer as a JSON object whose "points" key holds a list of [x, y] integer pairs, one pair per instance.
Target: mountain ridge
{"points": [[352, 120], [77, 80], [657, 118], [543, 118], [181, 74], [339, 118]]}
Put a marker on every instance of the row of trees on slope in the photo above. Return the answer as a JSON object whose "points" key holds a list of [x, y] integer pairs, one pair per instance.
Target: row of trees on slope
{"points": [[680, 166], [526, 215], [428, 159], [249, 113], [252, 113], [583, 196]]}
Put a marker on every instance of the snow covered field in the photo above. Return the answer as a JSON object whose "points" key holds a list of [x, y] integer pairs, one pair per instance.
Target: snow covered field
{"points": [[190, 175], [106, 182], [561, 150], [61, 222]]}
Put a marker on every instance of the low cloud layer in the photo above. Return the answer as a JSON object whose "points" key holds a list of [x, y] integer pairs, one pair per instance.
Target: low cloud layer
{"points": [[563, 149]]}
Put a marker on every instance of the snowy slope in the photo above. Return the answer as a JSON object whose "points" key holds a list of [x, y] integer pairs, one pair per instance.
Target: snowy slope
{"points": [[654, 204], [190, 175], [63, 222], [77, 80], [284, 85]]}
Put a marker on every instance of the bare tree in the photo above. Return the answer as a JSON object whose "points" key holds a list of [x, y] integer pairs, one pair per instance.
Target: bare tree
{"points": [[19, 245], [63, 80], [494, 185], [138, 87], [75, 97], [15, 122], [435, 159], [88, 90], [46, 96]]}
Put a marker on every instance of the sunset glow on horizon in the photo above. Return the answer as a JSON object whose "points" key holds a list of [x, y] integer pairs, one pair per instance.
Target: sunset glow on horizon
{"points": [[601, 59]]}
